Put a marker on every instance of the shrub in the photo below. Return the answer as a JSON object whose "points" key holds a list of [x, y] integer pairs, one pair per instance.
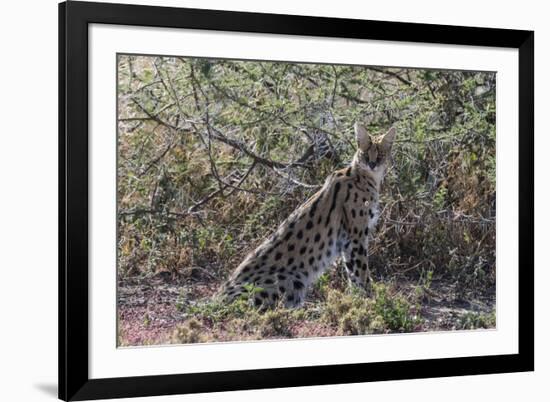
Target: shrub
{"points": [[475, 320]]}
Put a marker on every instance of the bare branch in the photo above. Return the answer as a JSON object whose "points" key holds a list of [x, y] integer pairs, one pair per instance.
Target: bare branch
{"points": [[391, 74]]}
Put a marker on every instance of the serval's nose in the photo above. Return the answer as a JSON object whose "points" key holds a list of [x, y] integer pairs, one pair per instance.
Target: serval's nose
{"points": [[372, 165]]}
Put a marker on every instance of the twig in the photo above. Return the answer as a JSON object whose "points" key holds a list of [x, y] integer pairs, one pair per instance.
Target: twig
{"points": [[145, 211], [392, 74]]}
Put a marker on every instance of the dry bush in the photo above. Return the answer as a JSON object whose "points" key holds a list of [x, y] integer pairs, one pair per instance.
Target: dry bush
{"points": [[213, 154]]}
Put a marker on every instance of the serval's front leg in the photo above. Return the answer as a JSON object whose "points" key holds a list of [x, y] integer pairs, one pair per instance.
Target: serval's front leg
{"points": [[356, 261]]}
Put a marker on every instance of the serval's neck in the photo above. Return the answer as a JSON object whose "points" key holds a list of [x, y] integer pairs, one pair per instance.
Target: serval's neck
{"points": [[366, 174]]}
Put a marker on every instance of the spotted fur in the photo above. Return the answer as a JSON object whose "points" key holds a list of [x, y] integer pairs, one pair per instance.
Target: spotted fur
{"points": [[333, 223]]}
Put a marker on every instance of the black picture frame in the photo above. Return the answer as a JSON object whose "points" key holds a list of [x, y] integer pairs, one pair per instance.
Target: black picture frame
{"points": [[74, 381]]}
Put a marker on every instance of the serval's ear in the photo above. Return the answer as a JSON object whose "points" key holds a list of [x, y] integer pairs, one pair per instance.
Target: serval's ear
{"points": [[362, 136], [388, 138]]}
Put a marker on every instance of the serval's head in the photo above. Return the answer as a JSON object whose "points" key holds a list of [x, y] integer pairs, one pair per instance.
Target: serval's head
{"points": [[373, 152]]}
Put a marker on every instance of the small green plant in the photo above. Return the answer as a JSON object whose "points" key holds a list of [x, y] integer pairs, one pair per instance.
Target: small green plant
{"points": [[146, 320], [422, 289], [251, 291], [393, 309], [215, 311], [428, 277], [356, 321], [353, 313], [439, 198], [337, 305], [476, 320], [322, 284]]}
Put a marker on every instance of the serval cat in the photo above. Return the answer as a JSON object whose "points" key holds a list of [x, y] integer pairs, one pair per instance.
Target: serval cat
{"points": [[334, 222]]}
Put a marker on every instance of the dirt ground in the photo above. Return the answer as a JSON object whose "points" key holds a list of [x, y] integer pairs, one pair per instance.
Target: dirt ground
{"points": [[149, 310]]}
